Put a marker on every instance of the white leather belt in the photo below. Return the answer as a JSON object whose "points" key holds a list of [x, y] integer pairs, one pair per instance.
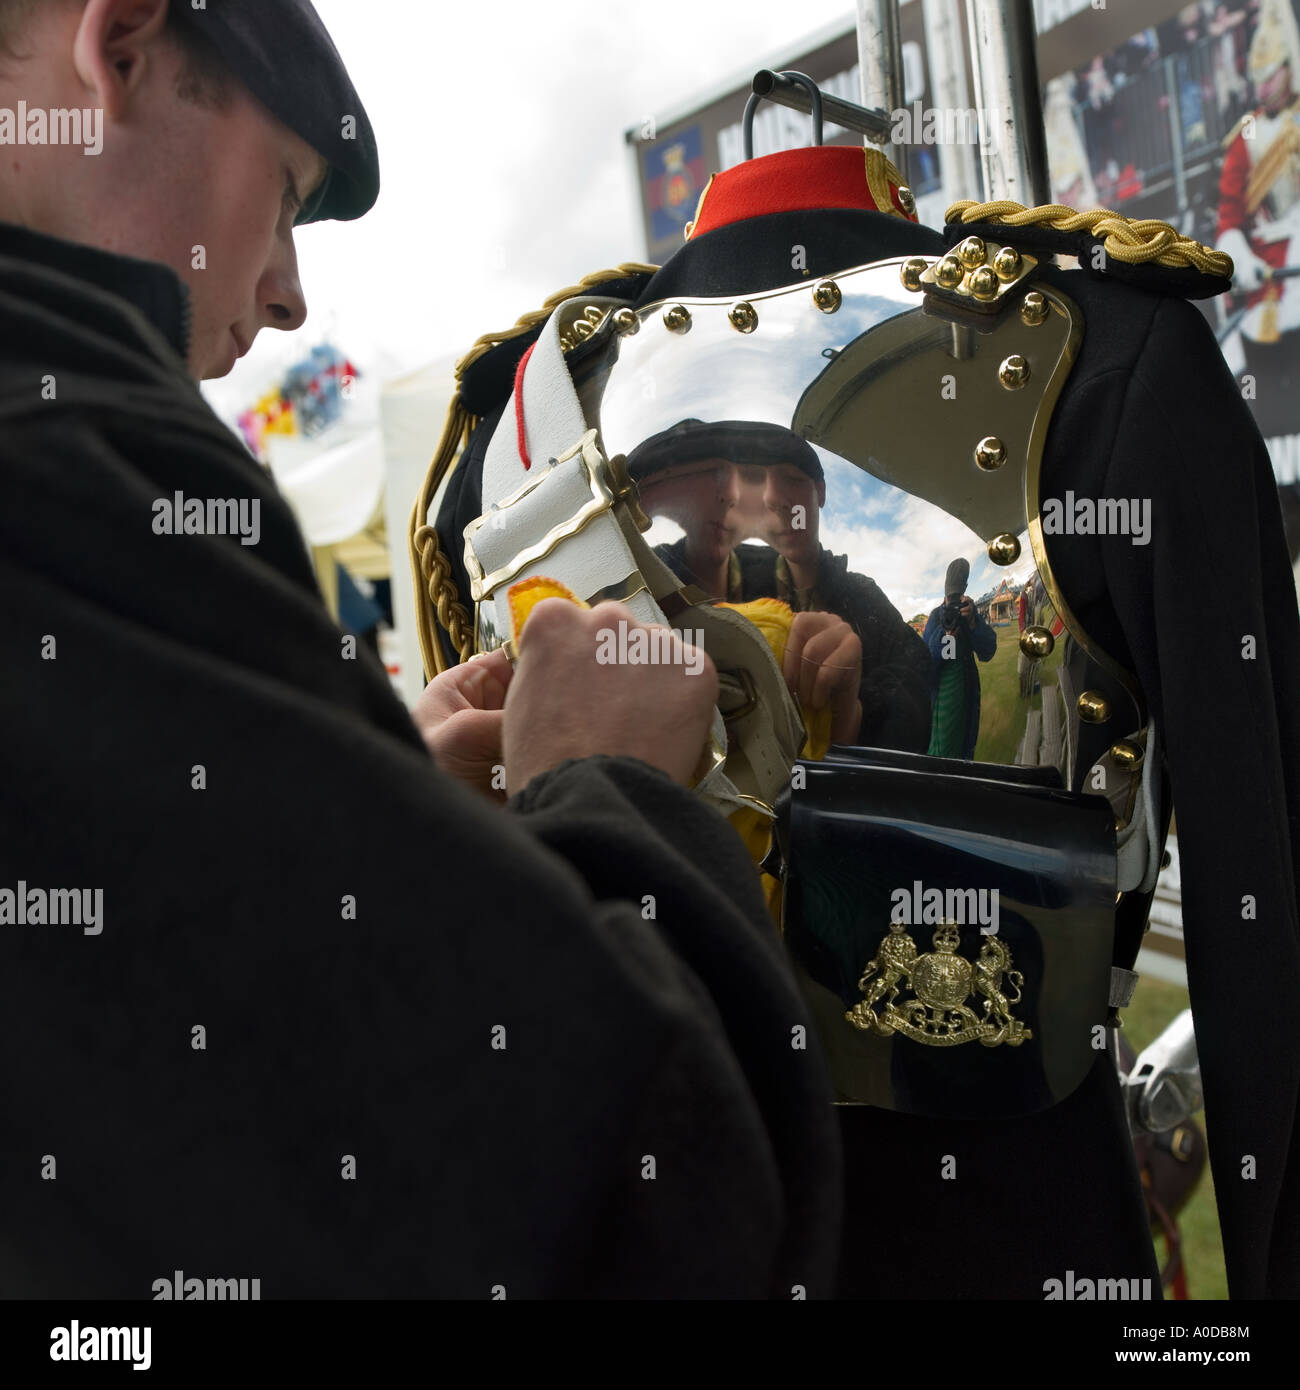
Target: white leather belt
{"points": [[564, 518]]}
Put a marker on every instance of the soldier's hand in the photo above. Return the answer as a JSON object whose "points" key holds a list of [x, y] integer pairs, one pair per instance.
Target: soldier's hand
{"points": [[460, 715], [573, 697], [823, 667], [1249, 272], [968, 610]]}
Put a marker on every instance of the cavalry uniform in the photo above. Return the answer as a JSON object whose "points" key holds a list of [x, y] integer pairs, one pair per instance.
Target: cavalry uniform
{"points": [[986, 1143]]}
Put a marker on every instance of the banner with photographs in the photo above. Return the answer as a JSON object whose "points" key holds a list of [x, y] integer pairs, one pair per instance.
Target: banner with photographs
{"points": [[1196, 121]]}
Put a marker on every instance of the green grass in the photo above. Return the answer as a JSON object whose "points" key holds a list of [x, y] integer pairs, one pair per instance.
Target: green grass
{"points": [[1002, 711], [1155, 1004]]}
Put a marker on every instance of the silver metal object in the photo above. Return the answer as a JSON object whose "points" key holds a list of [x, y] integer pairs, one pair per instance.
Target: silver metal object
{"points": [[1004, 60], [880, 55], [949, 92], [789, 91], [1164, 1088]]}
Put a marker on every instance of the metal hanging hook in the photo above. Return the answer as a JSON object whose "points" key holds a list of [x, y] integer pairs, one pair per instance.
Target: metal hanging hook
{"points": [[814, 97]]}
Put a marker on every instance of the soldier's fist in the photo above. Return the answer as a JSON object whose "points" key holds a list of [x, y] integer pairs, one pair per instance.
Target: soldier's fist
{"points": [[823, 667], [459, 715], [586, 683]]}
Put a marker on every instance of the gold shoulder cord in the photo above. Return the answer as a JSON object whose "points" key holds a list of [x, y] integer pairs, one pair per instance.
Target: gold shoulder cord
{"points": [[1125, 239], [437, 602]]}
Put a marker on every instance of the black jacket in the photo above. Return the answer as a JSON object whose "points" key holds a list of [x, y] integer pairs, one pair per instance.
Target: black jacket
{"points": [[1150, 410], [343, 1124]]}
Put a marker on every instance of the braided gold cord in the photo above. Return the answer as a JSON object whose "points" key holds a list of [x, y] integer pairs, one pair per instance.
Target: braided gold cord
{"points": [[487, 341], [437, 600], [1128, 240]]}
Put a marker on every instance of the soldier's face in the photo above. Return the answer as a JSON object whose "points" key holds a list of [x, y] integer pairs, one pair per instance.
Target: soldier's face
{"points": [[1275, 89], [205, 181], [701, 498], [791, 500]]}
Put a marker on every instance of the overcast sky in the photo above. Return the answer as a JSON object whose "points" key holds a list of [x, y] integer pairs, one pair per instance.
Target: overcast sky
{"points": [[505, 174]]}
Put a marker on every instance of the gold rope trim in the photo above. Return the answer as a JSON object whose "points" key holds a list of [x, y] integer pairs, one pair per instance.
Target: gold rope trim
{"points": [[1126, 239], [880, 174], [437, 601]]}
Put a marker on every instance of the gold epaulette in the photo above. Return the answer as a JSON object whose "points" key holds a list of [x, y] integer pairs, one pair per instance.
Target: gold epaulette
{"points": [[1131, 241], [437, 600]]}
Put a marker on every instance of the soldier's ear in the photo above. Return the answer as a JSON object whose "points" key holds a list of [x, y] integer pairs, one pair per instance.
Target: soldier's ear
{"points": [[112, 47]]}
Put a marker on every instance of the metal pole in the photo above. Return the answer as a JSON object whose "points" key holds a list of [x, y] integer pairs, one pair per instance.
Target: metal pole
{"points": [[1176, 133], [880, 55], [785, 91], [1004, 59], [949, 92]]}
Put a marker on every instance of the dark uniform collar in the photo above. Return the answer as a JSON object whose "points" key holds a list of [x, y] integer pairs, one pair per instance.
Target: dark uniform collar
{"points": [[154, 289]]}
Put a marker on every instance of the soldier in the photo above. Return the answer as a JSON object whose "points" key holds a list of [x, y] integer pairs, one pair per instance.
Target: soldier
{"points": [[1259, 215], [341, 1025], [986, 1141]]}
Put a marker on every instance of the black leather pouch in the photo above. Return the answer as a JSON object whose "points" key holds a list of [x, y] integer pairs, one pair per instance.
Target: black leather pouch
{"points": [[952, 927]]}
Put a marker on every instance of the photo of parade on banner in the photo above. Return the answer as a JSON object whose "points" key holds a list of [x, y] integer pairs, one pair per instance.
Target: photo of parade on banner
{"points": [[1197, 121]]}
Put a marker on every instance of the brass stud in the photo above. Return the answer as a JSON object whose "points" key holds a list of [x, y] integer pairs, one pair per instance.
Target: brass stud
{"points": [[1121, 823], [971, 252], [626, 322], [593, 315], [566, 343], [743, 316], [582, 330], [1033, 309], [983, 283], [827, 296], [910, 273], [949, 272], [990, 453], [1127, 755], [1014, 372], [1004, 549], [907, 199], [1093, 708], [1006, 264], [677, 318], [1037, 642]]}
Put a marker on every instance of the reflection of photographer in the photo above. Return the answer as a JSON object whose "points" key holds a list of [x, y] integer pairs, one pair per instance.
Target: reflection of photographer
{"points": [[956, 634]]}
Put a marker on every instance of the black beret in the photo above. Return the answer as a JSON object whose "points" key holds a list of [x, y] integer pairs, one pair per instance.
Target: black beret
{"points": [[737, 441], [281, 52]]}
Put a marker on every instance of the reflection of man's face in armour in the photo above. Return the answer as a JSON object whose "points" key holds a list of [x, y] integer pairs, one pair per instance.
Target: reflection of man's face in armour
{"points": [[701, 497], [791, 501]]}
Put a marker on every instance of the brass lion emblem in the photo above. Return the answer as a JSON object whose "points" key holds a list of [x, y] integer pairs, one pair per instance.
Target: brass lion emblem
{"points": [[942, 982]]}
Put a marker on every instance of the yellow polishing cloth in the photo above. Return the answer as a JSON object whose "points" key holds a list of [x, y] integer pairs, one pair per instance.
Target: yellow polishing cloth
{"points": [[773, 619], [527, 594]]}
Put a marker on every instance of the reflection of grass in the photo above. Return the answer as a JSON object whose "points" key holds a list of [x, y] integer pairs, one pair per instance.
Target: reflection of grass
{"points": [[1000, 701], [1154, 1006], [1002, 711]]}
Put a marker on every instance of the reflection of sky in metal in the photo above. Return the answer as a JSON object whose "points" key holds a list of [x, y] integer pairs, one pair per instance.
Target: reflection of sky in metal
{"points": [[715, 373]]}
